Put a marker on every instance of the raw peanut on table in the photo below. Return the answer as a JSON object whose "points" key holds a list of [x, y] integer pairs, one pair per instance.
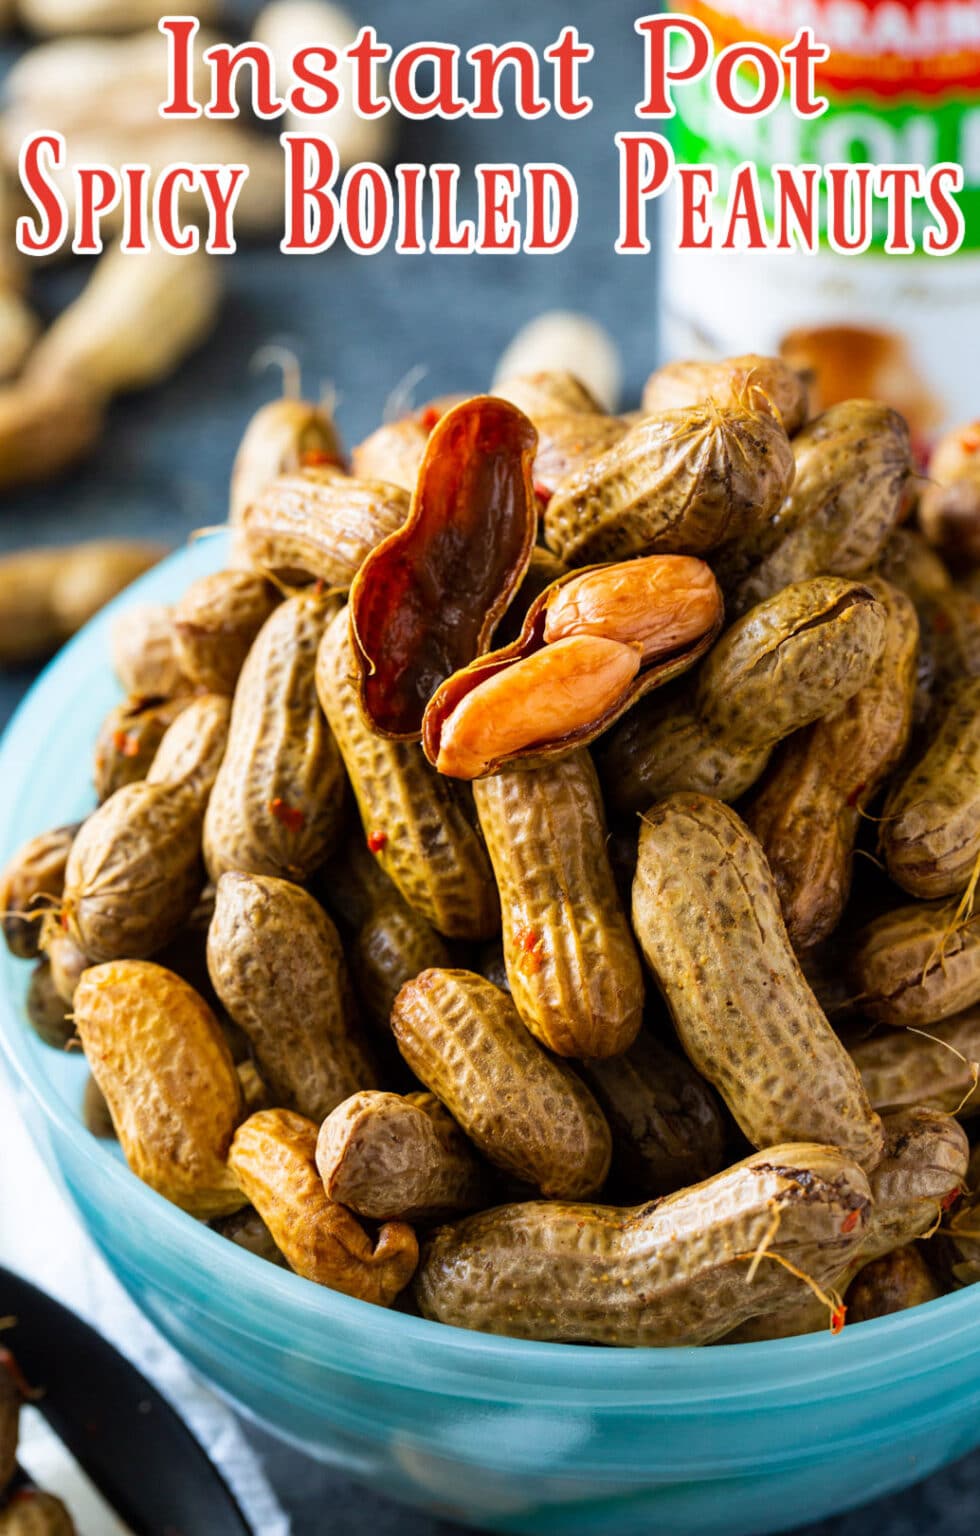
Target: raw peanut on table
{"points": [[893, 1283], [949, 507], [729, 381], [247, 1230], [277, 965], [134, 871], [592, 644], [808, 810], [667, 1126], [572, 964], [157, 1052], [681, 482], [706, 915], [391, 947], [144, 655], [47, 1012], [215, 623], [852, 467], [282, 437], [916, 964], [132, 324], [319, 524], [930, 833], [32, 1512], [273, 1158], [95, 1111], [681, 1270], [427, 600], [47, 594], [45, 427], [793, 658], [550, 392], [902, 1068], [391, 1157], [128, 740], [31, 882], [418, 825], [528, 1113], [277, 804], [920, 1173]]}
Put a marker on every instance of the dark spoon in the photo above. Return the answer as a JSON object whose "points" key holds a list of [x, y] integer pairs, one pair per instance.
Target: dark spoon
{"points": [[141, 1457]]}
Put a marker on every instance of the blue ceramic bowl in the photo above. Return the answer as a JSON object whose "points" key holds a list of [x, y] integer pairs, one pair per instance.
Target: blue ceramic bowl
{"points": [[504, 1434]]}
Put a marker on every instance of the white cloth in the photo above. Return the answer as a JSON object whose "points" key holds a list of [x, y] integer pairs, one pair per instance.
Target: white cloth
{"points": [[42, 1239]]}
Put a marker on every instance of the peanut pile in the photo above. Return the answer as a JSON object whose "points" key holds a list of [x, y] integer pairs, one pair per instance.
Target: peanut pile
{"points": [[534, 883]]}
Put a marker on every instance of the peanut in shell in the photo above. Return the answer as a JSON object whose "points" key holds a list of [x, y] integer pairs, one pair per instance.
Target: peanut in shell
{"points": [[392, 946], [277, 964], [706, 914], [528, 1113], [893, 1283], [273, 1158], [157, 1053], [729, 381], [282, 437], [128, 740], [904, 1068], [31, 880], [674, 1271], [319, 524], [916, 964], [215, 623], [572, 964]]}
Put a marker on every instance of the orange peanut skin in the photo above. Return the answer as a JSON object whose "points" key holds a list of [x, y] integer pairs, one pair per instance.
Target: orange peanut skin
{"points": [[158, 1054], [273, 1156]]}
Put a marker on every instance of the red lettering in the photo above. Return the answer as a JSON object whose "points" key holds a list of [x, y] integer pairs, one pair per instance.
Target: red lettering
{"points": [[566, 54], [661, 32], [311, 208], [181, 31], [645, 165]]}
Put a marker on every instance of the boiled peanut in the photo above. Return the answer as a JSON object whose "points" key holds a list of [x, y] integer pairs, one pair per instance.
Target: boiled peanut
{"points": [[912, 565], [32, 878], [157, 1052], [527, 1113], [568, 441], [902, 1068], [807, 813], [959, 1242], [392, 1158], [394, 453], [66, 959], [729, 381], [47, 1012], [134, 872], [544, 568], [247, 1230], [215, 623], [392, 946], [707, 917], [546, 392], [277, 803], [675, 1271], [128, 740], [414, 821], [95, 1111], [917, 964], [681, 482], [352, 885], [565, 339], [893, 1283], [144, 655], [282, 437], [318, 524], [667, 1127], [790, 660], [661, 746], [949, 507], [273, 1158], [47, 594], [277, 965], [572, 965], [32, 1512], [930, 834], [660, 603], [852, 465]]}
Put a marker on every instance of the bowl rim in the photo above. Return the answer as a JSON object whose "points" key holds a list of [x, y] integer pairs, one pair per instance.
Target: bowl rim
{"points": [[380, 1341]]}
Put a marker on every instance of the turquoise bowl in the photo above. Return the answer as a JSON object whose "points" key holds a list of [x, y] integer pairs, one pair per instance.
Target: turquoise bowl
{"points": [[498, 1433]]}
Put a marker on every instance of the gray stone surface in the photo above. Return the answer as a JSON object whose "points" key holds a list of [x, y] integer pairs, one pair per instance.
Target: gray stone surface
{"points": [[361, 324]]}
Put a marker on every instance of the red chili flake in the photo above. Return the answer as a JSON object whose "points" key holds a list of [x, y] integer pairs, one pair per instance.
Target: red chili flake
{"points": [[542, 492], [430, 417], [850, 1221], [856, 794], [529, 944], [837, 1319], [314, 457], [292, 818], [970, 439], [23, 1496], [377, 841], [950, 1200], [941, 622], [126, 743], [319, 587]]}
